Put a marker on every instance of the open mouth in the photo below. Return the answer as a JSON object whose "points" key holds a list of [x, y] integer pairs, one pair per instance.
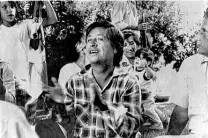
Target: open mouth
{"points": [[93, 51]]}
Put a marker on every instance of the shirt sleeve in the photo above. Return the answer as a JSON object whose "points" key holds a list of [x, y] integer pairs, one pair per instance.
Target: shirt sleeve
{"points": [[9, 83], [131, 99], [117, 15], [69, 96], [180, 95]]}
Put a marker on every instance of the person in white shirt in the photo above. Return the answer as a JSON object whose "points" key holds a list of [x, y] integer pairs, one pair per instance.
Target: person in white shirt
{"points": [[15, 36], [76, 59], [191, 95]]}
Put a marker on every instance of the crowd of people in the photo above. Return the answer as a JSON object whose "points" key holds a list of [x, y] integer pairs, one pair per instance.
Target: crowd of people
{"points": [[105, 91]]}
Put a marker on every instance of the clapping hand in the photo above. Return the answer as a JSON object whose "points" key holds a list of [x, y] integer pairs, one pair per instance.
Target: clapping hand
{"points": [[55, 93]]}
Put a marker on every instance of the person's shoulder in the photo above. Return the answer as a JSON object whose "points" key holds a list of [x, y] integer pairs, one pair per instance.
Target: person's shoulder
{"points": [[77, 76], [192, 61], [23, 22], [192, 58], [68, 66]]}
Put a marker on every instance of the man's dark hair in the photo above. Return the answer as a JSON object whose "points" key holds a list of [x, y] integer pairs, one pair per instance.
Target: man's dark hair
{"points": [[70, 52], [128, 34], [113, 35]]}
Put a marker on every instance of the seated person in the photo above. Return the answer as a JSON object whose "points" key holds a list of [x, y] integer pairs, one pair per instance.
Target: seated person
{"points": [[146, 75], [191, 97], [106, 102], [140, 67]]}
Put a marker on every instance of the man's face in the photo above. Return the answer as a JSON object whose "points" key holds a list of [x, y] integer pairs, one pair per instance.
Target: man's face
{"points": [[203, 49], [98, 48], [7, 11], [130, 47]]}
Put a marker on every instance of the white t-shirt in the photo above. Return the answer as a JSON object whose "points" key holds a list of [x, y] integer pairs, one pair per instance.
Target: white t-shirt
{"points": [[14, 49], [192, 92], [66, 72]]}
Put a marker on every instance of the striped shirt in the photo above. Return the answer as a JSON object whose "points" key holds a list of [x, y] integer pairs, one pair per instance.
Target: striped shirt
{"points": [[122, 89]]}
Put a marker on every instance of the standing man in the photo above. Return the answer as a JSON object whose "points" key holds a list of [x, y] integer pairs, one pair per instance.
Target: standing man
{"points": [[191, 97], [106, 100]]}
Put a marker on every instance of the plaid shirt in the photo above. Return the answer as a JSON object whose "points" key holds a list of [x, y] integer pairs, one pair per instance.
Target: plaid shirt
{"points": [[121, 89]]}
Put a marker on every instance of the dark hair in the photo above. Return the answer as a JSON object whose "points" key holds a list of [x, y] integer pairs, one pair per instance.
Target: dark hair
{"points": [[19, 11], [127, 34], [70, 50], [113, 35], [147, 54]]}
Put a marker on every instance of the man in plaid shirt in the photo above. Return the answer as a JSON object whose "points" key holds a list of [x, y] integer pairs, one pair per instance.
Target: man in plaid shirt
{"points": [[105, 99]]}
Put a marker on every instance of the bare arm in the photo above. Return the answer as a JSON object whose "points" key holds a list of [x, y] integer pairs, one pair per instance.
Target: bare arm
{"points": [[178, 120], [149, 73], [51, 15], [142, 26], [52, 18]]}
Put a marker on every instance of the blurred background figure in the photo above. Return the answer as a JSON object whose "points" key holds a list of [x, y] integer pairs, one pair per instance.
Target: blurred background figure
{"points": [[125, 17], [7, 83], [13, 122], [76, 61]]}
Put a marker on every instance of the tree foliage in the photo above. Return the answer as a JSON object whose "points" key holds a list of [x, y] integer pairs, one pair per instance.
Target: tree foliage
{"points": [[74, 16]]}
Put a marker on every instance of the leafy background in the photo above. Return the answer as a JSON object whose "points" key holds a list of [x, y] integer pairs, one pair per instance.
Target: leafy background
{"points": [[170, 42]]}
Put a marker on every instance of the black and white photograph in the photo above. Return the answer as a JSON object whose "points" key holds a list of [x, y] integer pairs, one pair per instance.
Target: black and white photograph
{"points": [[104, 69]]}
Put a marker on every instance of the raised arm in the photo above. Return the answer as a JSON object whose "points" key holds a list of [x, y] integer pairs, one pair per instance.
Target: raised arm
{"points": [[51, 15]]}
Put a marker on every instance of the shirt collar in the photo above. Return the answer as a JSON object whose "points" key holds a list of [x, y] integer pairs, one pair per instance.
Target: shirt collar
{"points": [[118, 70]]}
